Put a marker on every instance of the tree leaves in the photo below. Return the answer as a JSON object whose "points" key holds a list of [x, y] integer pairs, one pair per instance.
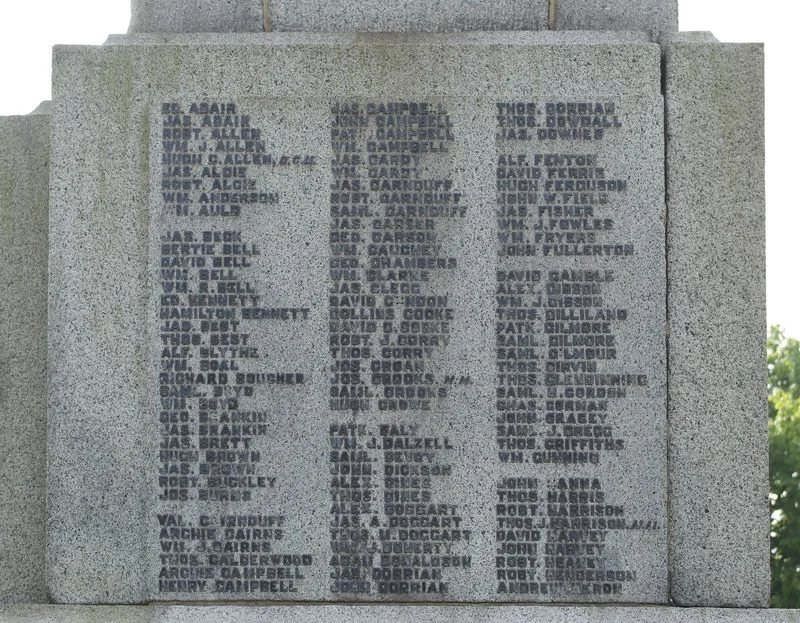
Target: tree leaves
{"points": [[783, 365]]}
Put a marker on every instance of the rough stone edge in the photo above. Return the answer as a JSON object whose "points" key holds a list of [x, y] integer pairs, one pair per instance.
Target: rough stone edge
{"points": [[719, 519], [400, 613], [689, 36], [23, 369], [42, 109]]}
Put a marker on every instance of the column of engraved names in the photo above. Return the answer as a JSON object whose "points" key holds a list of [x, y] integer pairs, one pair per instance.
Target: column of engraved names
{"points": [[410, 547], [425, 540], [352, 520], [353, 311], [389, 207], [392, 204], [555, 330], [354, 315], [211, 377]]}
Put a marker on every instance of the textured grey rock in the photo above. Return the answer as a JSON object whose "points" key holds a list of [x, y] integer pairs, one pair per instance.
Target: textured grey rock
{"points": [[717, 406], [197, 16], [412, 16], [82, 422], [368, 614], [121, 144], [24, 175], [655, 16], [78, 614]]}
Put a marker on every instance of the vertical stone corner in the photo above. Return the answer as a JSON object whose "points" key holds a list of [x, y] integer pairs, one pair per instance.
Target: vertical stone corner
{"points": [[719, 550]]}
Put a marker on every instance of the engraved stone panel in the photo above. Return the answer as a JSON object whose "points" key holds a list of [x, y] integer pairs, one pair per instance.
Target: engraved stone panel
{"points": [[399, 339], [255, 327]]}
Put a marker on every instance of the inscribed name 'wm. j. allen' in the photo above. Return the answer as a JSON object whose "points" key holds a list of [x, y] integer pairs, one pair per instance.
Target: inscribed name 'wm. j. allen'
{"points": [[408, 350]]}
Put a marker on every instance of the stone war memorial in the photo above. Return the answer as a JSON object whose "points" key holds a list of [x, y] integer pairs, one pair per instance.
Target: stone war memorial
{"points": [[398, 311]]}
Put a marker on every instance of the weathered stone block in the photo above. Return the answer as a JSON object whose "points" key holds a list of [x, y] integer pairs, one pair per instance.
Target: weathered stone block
{"points": [[197, 16], [275, 289], [719, 519], [414, 16], [24, 178], [654, 16]]}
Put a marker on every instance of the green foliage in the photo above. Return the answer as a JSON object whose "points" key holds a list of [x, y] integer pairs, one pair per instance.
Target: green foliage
{"points": [[783, 364]]}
